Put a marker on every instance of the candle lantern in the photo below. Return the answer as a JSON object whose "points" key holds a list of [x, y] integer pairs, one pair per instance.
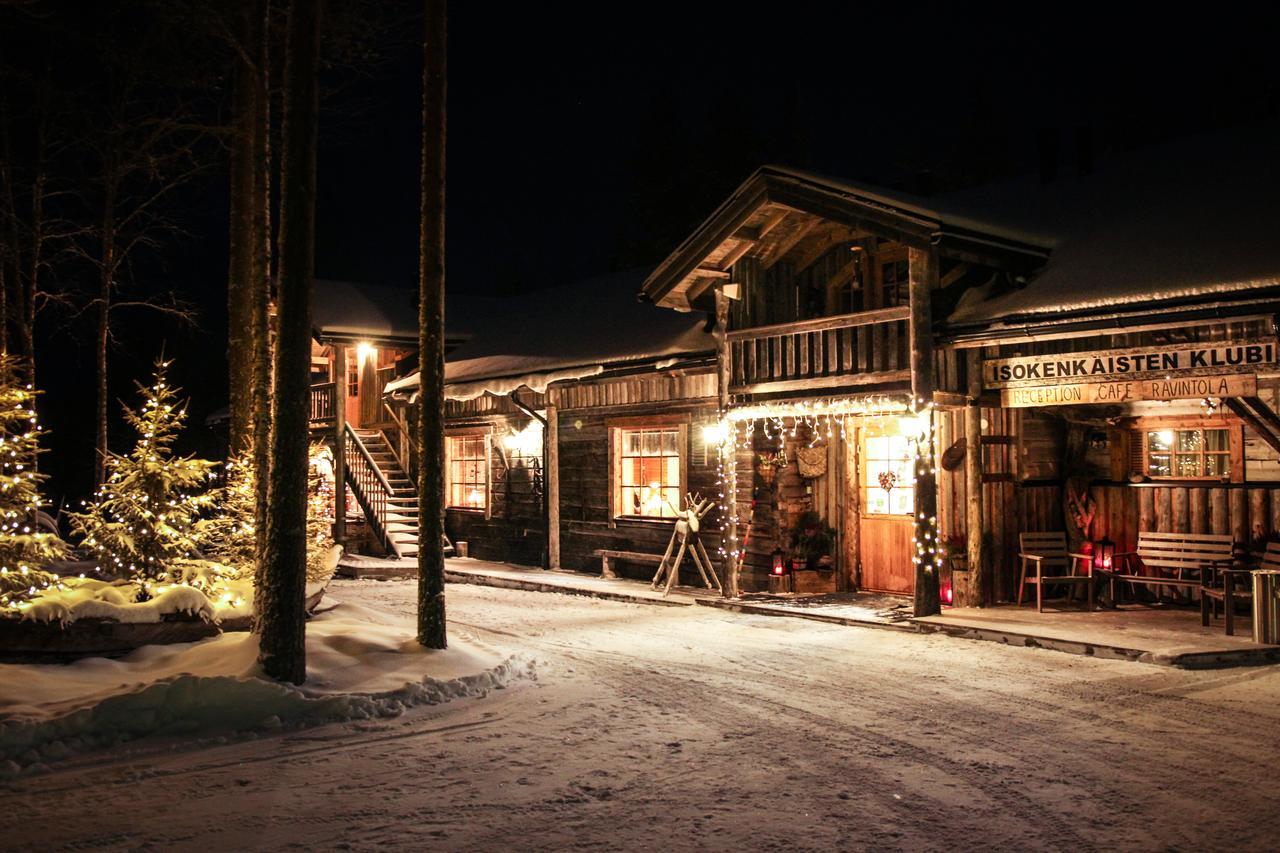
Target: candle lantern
{"points": [[1104, 553], [779, 562]]}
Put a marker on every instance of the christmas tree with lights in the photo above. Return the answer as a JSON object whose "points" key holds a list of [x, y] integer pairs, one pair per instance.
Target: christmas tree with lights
{"points": [[227, 534], [141, 521], [24, 549]]}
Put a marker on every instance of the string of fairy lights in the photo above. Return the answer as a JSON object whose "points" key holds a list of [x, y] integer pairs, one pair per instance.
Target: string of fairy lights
{"points": [[736, 429]]}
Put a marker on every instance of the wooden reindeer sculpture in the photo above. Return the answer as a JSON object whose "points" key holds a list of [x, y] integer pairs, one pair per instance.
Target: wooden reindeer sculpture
{"points": [[688, 521]]}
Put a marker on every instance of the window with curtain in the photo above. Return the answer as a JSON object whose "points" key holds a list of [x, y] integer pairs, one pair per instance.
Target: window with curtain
{"points": [[1194, 452], [650, 467], [468, 471]]}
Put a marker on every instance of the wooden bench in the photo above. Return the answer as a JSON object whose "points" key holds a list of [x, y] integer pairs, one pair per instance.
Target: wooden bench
{"points": [[1227, 593], [1199, 553], [606, 554]]}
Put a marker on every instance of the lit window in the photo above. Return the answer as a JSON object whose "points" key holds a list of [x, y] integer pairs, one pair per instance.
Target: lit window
{"points": [[1188, 453], [468, 485], [888, 485], [649, 471]]}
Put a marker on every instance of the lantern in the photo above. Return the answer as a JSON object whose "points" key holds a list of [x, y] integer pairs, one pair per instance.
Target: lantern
{"points": [[779, 562], [1104, 552]]}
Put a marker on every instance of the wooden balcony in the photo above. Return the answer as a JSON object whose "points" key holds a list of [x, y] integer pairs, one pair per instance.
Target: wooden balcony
{"points": [[323, 399], [865, 348]]}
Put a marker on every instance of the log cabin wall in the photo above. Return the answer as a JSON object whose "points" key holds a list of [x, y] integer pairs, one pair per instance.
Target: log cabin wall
{"points": [[1023, 455], [586, 413], [512, 528]]}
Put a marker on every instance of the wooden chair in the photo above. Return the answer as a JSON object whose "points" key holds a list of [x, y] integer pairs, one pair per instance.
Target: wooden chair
{"points": [[1227, 593], [1049, 551]]}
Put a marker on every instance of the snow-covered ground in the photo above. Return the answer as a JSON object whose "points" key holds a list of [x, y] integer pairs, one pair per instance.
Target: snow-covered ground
{"points": [[662, 727]]}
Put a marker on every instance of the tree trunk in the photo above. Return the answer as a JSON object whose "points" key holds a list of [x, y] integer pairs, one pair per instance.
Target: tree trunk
{"points": [[242, 242], [431, 615], [257, 43], [106, 273], [923, 280], [976, 588], [281, 613]]}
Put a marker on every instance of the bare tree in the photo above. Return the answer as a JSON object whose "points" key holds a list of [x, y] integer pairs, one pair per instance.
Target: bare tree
{"points": [[431, 610], [281, 616]]}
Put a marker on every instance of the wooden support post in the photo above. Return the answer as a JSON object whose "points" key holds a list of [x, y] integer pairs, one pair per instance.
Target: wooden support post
{"points": [[923, 276], [729, 454], [975, 592], [551, 436], [339, 443]]}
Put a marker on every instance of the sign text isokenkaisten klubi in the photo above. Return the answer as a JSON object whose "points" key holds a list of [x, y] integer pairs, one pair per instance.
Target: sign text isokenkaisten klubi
{"points": [[1134, 363]]}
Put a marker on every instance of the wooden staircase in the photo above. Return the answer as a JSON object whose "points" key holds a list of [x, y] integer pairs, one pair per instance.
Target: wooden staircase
{"points": [[399, 519]]}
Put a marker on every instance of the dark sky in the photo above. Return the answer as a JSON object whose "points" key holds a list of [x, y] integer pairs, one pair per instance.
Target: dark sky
{"points": [[591, 137]]}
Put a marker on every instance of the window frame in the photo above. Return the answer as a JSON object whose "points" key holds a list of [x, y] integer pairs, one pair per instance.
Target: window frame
{"points": [[864, 472], [1234, 452], [486, 435], [616, 429]]}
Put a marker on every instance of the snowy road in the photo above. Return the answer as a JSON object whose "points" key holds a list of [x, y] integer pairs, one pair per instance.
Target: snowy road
{"points": [[656, 727]]}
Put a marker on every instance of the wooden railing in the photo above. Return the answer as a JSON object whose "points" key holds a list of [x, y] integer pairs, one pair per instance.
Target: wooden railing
{"points": [[869, 347], [369, 485], [324, 398]]}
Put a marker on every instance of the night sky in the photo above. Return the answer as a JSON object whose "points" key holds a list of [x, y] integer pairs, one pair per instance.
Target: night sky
{"points": [[586, 138]]}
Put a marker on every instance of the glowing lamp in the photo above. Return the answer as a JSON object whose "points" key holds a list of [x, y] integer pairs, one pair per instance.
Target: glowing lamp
{"points": [[779, 562], [1104, 553], [716, 434], [363, 351], [946, 593]]}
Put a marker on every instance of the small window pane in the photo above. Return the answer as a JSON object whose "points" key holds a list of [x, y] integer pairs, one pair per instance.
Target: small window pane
{"points": [[1158, 465], [1216, 440], [1188, 465], [1217, 465], [1161, 440], [1189, 441]]}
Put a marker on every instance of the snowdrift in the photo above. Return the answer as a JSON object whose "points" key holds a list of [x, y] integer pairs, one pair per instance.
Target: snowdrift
{"points": [[361, 664]]}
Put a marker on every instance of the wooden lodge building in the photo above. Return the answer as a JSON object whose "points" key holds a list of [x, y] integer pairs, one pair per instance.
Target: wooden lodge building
{"points": [[889, 380]]}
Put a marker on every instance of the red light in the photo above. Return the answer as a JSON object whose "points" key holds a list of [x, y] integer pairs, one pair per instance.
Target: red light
{"points": [[947, 594], [779, 562]]}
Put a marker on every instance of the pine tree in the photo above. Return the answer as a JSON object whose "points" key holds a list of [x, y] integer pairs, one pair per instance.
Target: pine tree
{"points": [[23, 548], [142, 519], [227, 535]]}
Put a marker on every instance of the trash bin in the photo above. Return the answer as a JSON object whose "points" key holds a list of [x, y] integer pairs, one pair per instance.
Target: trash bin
{"points": [[1266, 606], [460, 548]]}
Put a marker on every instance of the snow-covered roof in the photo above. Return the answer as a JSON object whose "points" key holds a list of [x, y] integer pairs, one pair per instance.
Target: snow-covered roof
{"points": [[378, 313], [560, 333], [1193, 221]]}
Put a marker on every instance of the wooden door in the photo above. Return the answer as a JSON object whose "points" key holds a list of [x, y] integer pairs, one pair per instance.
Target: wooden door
{"points": [[884, 520]]}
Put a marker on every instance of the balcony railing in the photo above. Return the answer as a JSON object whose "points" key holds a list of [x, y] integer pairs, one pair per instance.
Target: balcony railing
{"points": [[866, 348], [323, 404]]}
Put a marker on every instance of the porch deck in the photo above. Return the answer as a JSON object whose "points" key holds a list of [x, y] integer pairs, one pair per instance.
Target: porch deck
{"points": [[1152, 634]]}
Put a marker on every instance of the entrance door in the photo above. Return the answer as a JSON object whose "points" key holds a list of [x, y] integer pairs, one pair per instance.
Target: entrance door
{"points": [[885, 507]]}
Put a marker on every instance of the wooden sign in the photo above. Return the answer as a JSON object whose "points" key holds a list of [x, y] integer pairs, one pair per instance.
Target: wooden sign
{"points": [[1129, 390], [1125, 364]]}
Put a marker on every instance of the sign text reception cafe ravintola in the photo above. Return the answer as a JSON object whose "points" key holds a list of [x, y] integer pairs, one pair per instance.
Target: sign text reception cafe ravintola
{"points": [[1179, 372]]}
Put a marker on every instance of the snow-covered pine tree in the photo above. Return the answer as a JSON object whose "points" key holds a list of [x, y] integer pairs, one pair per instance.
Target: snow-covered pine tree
{"points": [[23, 548], [227, 534], [141, 521]]}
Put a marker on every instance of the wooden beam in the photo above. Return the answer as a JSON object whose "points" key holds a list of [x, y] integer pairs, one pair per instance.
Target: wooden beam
{"points": [[957, 272], [923, 278], [789, 243], [974, 592], [729, 512], [830, 237], [815, 383], [340, 443], [1247, 415], [845, 273], [551, 435], [823, 324], [731, 257], [711, 272], [774, 220]]}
